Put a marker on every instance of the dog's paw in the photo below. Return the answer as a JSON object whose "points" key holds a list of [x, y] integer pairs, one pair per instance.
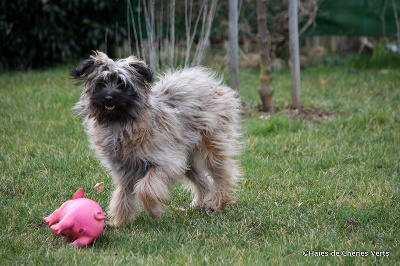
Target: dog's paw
{"points": [[210, 211], [195, 203], [112, 223]]}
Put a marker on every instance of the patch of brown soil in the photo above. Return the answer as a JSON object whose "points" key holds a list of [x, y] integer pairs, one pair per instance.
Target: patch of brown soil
{"points": [[313, 115], [309, 114]]}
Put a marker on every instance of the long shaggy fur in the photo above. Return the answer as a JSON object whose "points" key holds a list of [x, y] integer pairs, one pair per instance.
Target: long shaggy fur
{"points": [[149, 137]]}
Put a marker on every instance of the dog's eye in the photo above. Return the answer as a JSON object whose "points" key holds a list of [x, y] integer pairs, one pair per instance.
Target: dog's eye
{"points": [[121, 84], [99, 87], [123, 87]]}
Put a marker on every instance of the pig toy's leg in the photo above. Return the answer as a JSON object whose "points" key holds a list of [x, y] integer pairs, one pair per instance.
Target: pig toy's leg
{"points": [[54, 217], [82, 241], [65, 223]]}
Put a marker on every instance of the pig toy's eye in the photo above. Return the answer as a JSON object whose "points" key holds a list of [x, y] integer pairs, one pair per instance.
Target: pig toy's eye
{"points": [[81, 230]]}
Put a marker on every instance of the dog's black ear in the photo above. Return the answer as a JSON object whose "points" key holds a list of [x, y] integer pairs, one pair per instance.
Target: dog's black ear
{"points": [[83, 69], [143, 70]]}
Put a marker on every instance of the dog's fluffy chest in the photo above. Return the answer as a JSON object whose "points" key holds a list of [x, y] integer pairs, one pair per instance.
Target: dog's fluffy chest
{"points": [[118, 143], [137, 146]]}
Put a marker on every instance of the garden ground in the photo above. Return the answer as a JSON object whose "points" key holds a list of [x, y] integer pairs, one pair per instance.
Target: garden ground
{"points": [[329, 184]]}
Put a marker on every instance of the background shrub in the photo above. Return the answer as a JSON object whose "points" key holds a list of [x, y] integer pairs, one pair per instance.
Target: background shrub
{"points": [[40, 33]]}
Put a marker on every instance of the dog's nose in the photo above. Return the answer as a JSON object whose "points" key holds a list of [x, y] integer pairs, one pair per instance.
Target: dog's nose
{"points": [[108, 98]]}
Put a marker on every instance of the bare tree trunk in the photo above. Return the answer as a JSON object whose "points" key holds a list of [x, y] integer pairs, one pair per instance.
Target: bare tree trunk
{"points": [[188, 26], [294, 53], [172, 33], [396, 16], [266, 90], [161, 48], [234, 43], [150, 26], [208, 17], [382, 16]]}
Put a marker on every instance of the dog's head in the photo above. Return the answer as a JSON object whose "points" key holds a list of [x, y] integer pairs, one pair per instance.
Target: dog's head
{"points": [[114, 91]]}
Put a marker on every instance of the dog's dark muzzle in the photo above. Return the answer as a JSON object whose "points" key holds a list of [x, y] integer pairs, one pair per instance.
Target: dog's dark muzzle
{"points": [[109, 103], [112, 106]]}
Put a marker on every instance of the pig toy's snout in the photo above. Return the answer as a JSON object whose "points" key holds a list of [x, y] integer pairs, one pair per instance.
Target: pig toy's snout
{"points": [[100, 215]]}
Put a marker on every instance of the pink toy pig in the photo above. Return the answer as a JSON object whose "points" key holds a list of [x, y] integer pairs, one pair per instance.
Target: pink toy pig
{"points": [[79, 219]]}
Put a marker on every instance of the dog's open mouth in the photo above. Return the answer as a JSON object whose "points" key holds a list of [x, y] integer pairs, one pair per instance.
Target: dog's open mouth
{"points": [[109, 107]]}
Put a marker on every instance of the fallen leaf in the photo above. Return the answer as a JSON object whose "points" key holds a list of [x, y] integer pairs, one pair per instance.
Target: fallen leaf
{"points": [[321, 81], [99, 186], [351, 223]]}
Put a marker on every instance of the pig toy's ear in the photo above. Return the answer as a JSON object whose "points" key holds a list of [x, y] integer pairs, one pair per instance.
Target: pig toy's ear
{"points": [[79, 194]]}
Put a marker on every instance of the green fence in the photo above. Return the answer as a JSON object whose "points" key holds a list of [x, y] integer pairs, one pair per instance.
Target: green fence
{"points": [[356, 18]]}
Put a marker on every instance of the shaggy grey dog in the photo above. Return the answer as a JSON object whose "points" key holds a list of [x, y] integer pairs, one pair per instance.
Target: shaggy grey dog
{"points": [[151, 136]]}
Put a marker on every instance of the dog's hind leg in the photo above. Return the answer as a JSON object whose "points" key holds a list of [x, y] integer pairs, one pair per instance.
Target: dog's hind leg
{"points": [[224, 184], [200, 183], [224, 172], [153, 190], [124, 205]]}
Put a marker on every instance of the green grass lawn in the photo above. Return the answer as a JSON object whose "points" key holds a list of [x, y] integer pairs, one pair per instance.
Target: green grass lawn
{"points": [[309, 187]]}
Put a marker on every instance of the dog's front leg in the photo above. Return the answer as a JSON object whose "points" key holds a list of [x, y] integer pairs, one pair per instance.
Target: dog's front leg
{"points": [[153, 190], [124, 205]]}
